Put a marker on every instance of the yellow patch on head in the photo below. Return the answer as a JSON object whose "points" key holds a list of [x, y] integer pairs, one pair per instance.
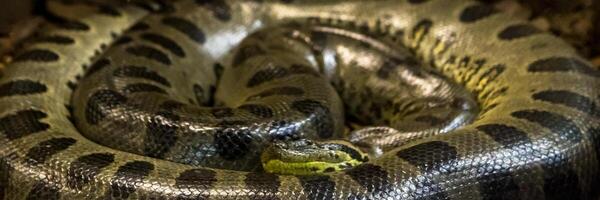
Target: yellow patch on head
{"points": [[307, 168]]}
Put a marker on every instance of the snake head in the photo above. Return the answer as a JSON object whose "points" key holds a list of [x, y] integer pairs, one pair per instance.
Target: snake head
{"points": [[306, 157]]}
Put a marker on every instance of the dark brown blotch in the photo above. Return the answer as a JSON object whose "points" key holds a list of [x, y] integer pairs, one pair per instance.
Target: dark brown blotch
{"points": [[518, 31], [132, 172], [37, 55], [23, 123], [164, 42], [149, 53], [476, 12], [186, 27], [21, 87], [46, 149], [85, 168], [563, 64]]}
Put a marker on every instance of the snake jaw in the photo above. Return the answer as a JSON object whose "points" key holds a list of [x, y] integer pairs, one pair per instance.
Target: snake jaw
{"points": [[305, 157]]}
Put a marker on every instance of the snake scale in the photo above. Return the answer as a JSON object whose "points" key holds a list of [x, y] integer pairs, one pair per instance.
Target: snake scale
{"points": [[99, 105]]}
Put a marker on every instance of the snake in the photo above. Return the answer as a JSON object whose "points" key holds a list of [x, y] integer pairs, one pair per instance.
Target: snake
{"points": [[224, 99]]}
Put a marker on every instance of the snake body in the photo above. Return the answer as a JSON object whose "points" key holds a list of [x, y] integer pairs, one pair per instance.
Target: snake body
{"points": [[65, 109]]}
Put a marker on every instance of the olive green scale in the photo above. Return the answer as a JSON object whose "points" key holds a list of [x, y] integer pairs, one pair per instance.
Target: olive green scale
{"points": [[178, 99]]}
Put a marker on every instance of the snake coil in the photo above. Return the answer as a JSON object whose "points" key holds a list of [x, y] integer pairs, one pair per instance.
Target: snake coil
{"points": [[537, 135]]}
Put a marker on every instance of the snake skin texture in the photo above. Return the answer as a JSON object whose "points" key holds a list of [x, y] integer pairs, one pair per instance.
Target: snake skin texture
{"points": [[94, 107]]}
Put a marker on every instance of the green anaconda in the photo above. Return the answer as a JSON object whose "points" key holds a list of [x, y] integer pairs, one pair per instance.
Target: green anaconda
{"points": [[179, 99]]}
